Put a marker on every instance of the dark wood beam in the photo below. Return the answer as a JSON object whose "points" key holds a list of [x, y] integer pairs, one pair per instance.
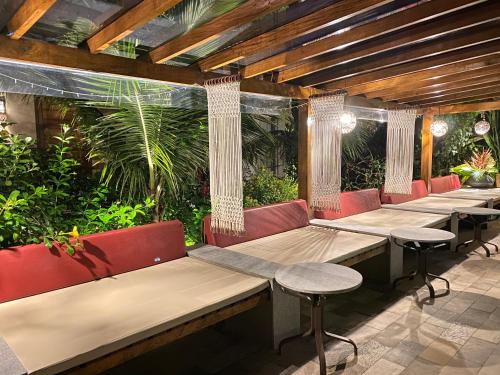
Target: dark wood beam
{"points": [[412, 85], [448, 58], [493, 80], [419, 52], [462, 108], [334, 13], [373, 29], [304, 155], [489, 92], [54, 56], [211, 30], [418, 33], [26, 16], [391, 77], [470, 100], [426, 151], [128, 22]]}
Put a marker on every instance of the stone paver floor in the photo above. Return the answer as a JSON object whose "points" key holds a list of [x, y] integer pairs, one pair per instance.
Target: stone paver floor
{"points": [[397, 331]]}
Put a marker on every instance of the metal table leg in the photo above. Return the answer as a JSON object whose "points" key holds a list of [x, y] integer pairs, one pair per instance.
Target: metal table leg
{"points": [[478, 236]]}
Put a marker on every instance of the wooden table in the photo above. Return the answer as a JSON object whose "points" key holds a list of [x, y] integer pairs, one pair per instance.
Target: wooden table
{"points": [[313, 282], [479, 217], [421, 241]]}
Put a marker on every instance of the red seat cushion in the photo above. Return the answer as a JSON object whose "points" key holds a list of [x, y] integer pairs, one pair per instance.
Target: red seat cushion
{"points": [[34, 269], [262, 222], [445, 183], [418, 190], [352, 203]]}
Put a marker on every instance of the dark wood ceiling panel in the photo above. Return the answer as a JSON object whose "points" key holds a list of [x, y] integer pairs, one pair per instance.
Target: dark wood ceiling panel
{"points": [[441, 26], [334, 13], [358, 34], [418, 52]]}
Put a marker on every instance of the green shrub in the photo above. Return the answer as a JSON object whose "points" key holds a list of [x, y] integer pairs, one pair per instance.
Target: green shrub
{"points": [[265, 188]]}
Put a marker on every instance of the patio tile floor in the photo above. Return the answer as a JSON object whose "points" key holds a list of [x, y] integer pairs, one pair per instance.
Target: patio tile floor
{"points": [[397, 331]]}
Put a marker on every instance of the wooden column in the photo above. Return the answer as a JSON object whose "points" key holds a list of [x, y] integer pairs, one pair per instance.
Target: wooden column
{"points": [[304, 154], [426, 154]]}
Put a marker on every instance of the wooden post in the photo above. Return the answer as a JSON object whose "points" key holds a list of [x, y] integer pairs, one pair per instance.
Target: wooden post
{"points": [[426, 154], [304, 167]]}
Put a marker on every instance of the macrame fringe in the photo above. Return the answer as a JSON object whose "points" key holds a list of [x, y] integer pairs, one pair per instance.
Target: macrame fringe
{"points": [[326, 137], [226, 176], [400, 147]]}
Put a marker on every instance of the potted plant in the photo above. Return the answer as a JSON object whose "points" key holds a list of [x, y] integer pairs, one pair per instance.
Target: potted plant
{"points": [[479, 171]]}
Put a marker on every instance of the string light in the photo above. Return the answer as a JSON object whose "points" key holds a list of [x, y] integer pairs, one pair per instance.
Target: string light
{"points": [[482, 126]]}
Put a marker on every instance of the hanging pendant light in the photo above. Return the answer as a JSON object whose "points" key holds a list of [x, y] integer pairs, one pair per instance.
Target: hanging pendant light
{"points": [[347, 121], [439, 127], [482, 126]]}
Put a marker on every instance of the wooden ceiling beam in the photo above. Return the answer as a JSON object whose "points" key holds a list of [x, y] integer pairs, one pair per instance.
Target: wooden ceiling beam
{"points": [[452, 62], [128, 22], [26, 16], [334, 13], [419, 52], [412, 84], [462, 108], [246, 12], [470, 100], [445, 88], [481, 92], [373, 29], [436, 95], [28, 51], [418, 33]]}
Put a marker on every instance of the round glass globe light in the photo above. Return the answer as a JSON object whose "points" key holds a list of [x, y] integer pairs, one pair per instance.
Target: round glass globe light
{"points": [[482, 127], [439, 128], [348, 122]]}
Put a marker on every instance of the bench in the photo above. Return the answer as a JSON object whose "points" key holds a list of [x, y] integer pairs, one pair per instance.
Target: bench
{"points": [[129, 291], [278, 235], [450, 187], [362, 212]]}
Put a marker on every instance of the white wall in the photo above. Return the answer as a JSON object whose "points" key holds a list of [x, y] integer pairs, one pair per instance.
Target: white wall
{"points": [[21, 111]]}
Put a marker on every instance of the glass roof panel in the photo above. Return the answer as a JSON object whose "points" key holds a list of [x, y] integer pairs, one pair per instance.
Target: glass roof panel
{"points": [[80, 17], [7, 10]]}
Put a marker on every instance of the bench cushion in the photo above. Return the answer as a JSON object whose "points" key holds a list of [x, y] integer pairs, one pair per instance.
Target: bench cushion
{"points": [[261, 222], [310, 244], [54, 331], [387, 218], [34, 269], [445, 183], [418, 190], [352, 203]]}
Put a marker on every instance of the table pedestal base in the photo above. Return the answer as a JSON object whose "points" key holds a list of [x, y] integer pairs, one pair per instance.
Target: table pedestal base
{"points": [[422, 271], [478, 238], [317, 302]]}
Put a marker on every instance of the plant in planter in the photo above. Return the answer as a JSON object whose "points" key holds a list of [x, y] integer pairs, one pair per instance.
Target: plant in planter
{"points": [[479, 172]]}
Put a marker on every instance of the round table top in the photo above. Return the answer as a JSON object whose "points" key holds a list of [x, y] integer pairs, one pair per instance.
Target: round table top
{"points": [[318, 278], [423, 235], [477, 211]]}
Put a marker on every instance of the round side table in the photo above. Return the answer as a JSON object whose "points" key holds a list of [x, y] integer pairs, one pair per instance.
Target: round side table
{"points": [[421, 241], [478, 217], [313, 282]]}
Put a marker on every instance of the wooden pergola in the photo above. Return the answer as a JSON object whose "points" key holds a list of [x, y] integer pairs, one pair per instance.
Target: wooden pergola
{"points": [[442, 56]]}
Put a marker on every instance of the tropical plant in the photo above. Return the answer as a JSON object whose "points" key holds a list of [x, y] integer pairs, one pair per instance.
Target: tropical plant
{"points": [[492, 138], [265, 188], [480, 165]]}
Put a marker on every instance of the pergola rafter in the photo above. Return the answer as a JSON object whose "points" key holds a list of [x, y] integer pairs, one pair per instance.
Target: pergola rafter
{"points": [[27, 15]]}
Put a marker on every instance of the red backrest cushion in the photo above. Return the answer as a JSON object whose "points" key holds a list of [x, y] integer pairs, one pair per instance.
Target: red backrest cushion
{"points": [[262, 222], [34, 269], [418, 190], [445, 184], [352, 203]]}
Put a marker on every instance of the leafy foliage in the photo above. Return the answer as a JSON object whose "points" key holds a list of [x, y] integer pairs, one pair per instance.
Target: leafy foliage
{"points": [[492, 138], [265, 188], [364, 173], [480, 164]]}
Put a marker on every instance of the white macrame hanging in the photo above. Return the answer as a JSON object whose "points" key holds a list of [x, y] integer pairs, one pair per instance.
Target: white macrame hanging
{"points": [[226, 176], [399, 149], [326, 151]]}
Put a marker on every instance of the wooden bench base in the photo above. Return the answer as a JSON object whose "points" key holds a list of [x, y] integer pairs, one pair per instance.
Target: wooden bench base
{"points": [[154, 342]]}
